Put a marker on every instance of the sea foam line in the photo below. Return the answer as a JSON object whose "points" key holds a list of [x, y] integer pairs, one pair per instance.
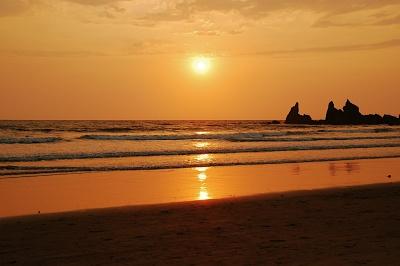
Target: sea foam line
{"points": [[234, 137], [23, 171], [29, 140], [75, 156]]}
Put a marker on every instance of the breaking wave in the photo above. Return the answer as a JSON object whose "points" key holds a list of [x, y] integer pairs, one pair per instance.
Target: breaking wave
{"points": [[234, 137], [29, 140], [16, 171], [73, 156]]}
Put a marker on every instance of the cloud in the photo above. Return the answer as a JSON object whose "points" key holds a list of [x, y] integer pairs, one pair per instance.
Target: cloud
{"points": [[95, 2], [332, 49], [17, 7], [338, 13], [162, 47], [389, 15], [146, 47], [154, 12], [51, 53], [389, 21], [14, 7], [261, 8]]}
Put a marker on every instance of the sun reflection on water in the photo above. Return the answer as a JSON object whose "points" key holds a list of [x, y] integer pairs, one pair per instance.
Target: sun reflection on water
{"points": [[202, 178], [201, 144], [203, 158], [202, 132]]}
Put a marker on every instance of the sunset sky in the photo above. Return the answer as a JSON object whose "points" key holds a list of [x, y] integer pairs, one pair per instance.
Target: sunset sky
{"points": [[133, 59]]}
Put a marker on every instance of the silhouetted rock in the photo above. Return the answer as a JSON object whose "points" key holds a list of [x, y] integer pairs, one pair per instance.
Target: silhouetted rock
{"points": [[391, 120], [295, 118], [351, 108], [373, 119], [274, 122], [334, 116], [350, 115]]}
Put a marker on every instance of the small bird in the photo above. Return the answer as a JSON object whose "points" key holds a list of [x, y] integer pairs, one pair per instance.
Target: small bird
{"points": [[389, 176]]}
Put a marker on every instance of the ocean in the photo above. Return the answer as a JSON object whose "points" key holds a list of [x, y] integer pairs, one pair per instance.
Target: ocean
{"points": [[54, 147]]}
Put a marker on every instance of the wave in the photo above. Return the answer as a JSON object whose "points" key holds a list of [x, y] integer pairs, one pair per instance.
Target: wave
{"points": [[182, 136], [75, 156], [29, 140], [361, 130], [234, 137], [41, 170], [309, 139]]}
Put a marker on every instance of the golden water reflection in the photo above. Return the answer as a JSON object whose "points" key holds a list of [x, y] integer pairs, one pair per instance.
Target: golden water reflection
{"points": [[111, 189], [203, 158], [202, 178], [202, 133], [201, 144]]}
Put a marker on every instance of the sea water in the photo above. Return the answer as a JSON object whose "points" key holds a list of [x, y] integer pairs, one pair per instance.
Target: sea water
{"points": [[52, 147]]}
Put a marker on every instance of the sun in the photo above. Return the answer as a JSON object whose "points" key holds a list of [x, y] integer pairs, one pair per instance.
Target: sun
{"points": [[201, 65]]}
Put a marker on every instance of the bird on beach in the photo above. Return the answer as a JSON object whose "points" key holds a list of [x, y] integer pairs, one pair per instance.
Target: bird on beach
{"points": [[389, 176]]}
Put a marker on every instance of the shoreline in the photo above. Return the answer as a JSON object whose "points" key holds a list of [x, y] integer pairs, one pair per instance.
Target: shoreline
{"points": [[352, 225], [183, 204], [31, 195], [321, 160]]}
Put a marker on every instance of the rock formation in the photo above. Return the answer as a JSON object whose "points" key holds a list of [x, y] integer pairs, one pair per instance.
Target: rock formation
{"points": [[391, 120], [333, 115], [350, 115], [295, 118]]}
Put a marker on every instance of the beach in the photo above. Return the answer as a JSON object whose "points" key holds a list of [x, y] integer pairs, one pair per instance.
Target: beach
{"points": [[29, 195], [325, 213], [199, 132], [342, 226], [198, 192]]}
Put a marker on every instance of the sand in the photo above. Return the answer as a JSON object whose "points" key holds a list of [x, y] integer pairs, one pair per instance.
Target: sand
{"points": [[342, 226], [71, 192]]}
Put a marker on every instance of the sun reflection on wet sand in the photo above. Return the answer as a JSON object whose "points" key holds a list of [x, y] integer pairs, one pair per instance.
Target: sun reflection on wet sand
{"points": [[111, 189], [202, 178], [203, 194], [201, 169]]}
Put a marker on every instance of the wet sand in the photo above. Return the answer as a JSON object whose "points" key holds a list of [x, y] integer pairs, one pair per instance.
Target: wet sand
{"points": [[342, 226], [61, 193]]}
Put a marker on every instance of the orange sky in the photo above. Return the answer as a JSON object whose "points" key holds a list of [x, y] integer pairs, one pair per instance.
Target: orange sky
{"points": [[131, 59]]}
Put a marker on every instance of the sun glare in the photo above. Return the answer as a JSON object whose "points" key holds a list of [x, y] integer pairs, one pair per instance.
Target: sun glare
{"points": [[201, 65]]}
